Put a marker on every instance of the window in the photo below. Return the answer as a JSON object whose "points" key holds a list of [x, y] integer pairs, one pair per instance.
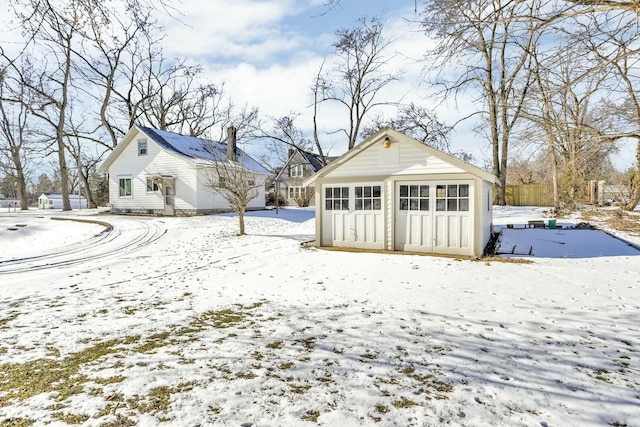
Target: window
{"points": [[414, 197], [152, 186], [367, 198], [296, 171], [452, 198], [336, 198], [142, 148], [125, 187]]}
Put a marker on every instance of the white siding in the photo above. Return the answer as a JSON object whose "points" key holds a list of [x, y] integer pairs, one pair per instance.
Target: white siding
{"points": [[209, 200], [138, 168], [399, 159]]}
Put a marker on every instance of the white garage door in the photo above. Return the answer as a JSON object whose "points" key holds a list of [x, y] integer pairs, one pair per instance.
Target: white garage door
{"points": [[352, 216], [433, 217]]}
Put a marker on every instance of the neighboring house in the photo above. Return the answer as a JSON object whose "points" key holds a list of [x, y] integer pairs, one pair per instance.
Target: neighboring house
{"points": [[392, 192], [300, 166], [164, 173], [54, 201]]}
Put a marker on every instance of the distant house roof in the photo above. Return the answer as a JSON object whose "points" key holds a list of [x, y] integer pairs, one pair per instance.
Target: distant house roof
{"points": [[59, 196], [200, 151]]}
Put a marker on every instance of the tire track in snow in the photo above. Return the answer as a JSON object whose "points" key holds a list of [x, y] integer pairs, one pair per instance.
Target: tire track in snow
{"points": [[127, 235]]}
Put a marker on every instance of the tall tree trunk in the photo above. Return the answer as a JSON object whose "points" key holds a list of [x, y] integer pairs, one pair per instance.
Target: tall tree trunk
{"points": [[635, 184], [22, 185]]}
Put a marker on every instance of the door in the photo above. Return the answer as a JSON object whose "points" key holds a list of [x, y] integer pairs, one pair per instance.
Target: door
{"points": [[414, 219], [433, 217], [352, 216], [169, 199]]}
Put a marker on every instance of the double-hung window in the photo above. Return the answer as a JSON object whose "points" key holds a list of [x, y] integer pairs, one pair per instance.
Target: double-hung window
{"points": [[142, 148], [152, 186], [125, 187]]}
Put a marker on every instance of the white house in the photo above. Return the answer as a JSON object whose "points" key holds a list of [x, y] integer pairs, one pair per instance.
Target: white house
{"points": [[54, 201], [391, 192], [164, 173]]}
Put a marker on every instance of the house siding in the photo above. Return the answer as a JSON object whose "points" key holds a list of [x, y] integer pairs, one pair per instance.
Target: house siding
{"points": [[399, 159], [138, 168]]}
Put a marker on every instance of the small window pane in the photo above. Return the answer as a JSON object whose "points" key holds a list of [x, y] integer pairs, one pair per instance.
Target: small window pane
{"points": [[464, 190], [358, 204], [345, 205], [367, 191], [452, 205], [328, 205], [345, 192], [464, 205], [424, 191], [328, 192], [336, 193], [413, 204], [413, 191], [377, 204], [404, 204], [441, 205], [367, 204], [376, 191], [404, 190], [440, 191], [424, 204], [358, 192], [452, 191], [337, 205]]}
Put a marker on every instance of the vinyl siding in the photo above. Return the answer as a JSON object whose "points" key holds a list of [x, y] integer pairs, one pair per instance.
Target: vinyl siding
{"points": [[399, 159], [138, 168]]}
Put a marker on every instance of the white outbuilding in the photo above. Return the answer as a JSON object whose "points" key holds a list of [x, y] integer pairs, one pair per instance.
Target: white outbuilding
{"points": [[54, 201], [392, 192]]}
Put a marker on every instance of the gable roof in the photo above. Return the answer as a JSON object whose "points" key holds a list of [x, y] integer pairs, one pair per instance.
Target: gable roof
{"points": [[197, 150], [394, 135]]}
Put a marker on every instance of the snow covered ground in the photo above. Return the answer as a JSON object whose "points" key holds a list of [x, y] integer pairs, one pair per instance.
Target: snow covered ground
{"points": [[176, 321]]}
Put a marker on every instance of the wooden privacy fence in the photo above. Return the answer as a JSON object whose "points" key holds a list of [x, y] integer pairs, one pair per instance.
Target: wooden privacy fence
{"points": [[529, 195]]}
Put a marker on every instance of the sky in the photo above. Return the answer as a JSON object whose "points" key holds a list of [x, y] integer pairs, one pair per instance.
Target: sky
{"points": [[177, 321], [267, 53]]}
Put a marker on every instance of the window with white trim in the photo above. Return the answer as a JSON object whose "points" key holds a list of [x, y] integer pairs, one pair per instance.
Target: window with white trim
{"points": [[142, 148], [367, 198], [125, 187], [452, 198], [296, 171], [152, 186], [336, 198], [414, 198]]}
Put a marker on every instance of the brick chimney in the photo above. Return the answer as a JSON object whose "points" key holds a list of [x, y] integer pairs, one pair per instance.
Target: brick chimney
{"points": [[231, 144]]}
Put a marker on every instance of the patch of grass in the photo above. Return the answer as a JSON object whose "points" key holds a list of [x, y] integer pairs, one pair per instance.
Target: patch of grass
{"points": [[286, 365], [17, 422], [3, 350], [5, 320], [311, 416], [490, 259], [109, 380], [299, 388], [404, 403], [246, 375], [120, 421], [24, 380], [159, 399], [368, 356], [70, 418], [382, 409], [275, 345]]}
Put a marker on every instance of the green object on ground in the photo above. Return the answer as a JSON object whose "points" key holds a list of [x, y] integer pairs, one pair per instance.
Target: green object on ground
{"points": [[552, 223]]}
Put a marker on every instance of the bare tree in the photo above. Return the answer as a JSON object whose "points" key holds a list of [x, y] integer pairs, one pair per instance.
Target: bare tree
{"points": [[495, 47], [359, 75], [14, 146], [232, 177], [419, 123]]}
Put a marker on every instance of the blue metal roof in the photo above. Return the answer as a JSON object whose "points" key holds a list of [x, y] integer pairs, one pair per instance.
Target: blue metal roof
{"points": [[200, 149]]}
